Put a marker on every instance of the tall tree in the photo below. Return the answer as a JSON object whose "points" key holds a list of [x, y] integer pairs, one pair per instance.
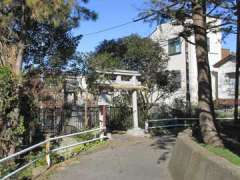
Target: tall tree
{"points": [[237, 63], [33, 32], [192, 16], [205, 102], [27, 25]]}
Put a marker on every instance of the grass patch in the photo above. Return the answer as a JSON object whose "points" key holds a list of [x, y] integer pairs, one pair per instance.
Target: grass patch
{"points": [[87, 147], [225, 153]]}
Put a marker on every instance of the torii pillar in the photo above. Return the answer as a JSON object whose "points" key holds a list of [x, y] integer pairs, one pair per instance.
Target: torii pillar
{"points": [[135, 131], [135, 110]]}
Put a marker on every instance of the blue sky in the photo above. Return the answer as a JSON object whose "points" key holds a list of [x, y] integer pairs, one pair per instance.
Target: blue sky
{"points": [[115, 12]]}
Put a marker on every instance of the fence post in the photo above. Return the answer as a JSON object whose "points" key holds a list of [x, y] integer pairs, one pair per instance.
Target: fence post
{"points": [[47, 150], [146, 126], [102, 118]]}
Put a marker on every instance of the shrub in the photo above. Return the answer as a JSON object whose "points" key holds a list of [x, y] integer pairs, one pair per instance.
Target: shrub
{"points": [[11, 122]]}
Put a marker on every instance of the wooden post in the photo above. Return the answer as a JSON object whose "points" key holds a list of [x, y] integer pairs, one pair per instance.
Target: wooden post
{"points": [[104, 113], [47, 151], [86, 111], [146, 126], [102, 119]]}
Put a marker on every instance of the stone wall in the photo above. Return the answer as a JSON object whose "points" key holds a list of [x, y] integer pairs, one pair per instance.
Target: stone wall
{"points": [[190, 161]]}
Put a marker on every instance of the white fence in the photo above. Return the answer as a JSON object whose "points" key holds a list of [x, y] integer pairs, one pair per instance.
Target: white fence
{"points": [[173, 122], [48, 151]]}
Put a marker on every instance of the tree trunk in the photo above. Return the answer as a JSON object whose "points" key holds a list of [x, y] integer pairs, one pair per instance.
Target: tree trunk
{"points": [[237, 64], [2, 54], [19, 60], [12, 56], [206, 117], [188, 97]]}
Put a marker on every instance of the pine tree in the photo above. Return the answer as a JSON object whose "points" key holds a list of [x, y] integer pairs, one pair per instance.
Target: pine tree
{"points": [[192, 16], [27, 25], [32, 32], [237, 63]]}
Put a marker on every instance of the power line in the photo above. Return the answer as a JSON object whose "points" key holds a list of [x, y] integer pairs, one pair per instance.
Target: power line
{"points": [[127, 23], [118, 26], [108, 29]]}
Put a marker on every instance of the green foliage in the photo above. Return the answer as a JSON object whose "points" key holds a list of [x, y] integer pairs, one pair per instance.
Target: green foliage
{"points": [[224, 114], [135, 53], [39, 34], [27, 173], [177, 109], [55, 157], [87, 147], [225, 153], [20, 128], [121, 114], [11, 122], [17, 111], [85, 137], [6, 168], [140, 54], [132, 53], [39, 164], [7, 84], [55, 12], [104, 61], [43, 31], [54, 81]]}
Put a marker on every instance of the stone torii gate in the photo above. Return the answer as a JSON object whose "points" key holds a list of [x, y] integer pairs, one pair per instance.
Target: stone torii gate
{"points": [[122, 80]]}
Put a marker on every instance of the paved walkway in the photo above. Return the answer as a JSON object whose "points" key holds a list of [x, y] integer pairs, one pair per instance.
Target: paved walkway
{"points": [[125, 158]]}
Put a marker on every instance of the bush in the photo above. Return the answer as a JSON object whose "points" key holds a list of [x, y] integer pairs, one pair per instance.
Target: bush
{"points": [[120, 115], [177, 109], [11, 121]]}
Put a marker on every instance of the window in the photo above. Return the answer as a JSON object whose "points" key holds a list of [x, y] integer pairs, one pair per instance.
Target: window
{"points": [[229, 83], [174, 46]]}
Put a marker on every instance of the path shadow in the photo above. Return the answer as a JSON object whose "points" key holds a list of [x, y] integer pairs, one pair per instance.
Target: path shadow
{"points": [[165, 143]]}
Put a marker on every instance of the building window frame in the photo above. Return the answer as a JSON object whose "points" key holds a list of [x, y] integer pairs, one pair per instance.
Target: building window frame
{"points": [[174, 46], [229, 83]]}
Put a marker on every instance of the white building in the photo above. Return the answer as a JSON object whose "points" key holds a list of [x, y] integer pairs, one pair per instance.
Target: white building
{"points": [[225, 78], [182, 54]]}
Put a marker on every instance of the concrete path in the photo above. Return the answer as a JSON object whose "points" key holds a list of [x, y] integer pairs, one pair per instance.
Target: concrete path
{"points": [[125, 158]]}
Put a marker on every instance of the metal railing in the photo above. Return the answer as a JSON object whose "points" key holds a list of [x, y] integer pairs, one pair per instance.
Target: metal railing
{"points": [[173, 122], [48, 152]]}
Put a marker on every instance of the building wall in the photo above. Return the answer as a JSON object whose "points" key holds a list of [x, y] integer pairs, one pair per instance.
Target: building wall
{"points": [[226, 82], [178, 62], [193, 72], [214, 56]]}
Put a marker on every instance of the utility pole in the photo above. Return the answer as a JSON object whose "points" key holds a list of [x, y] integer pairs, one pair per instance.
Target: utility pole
{"points": [[237, 63]]}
